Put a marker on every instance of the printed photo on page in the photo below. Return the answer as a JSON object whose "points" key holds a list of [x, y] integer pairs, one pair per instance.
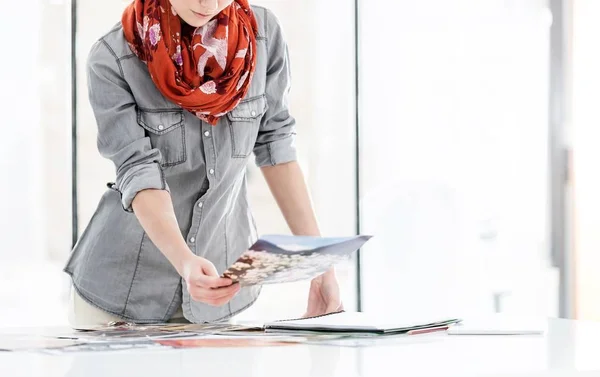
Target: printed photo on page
{"points": [[286, 259]]}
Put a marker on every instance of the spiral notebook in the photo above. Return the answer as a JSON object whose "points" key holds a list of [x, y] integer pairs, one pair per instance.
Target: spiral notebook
{"points": [[357, 322]]}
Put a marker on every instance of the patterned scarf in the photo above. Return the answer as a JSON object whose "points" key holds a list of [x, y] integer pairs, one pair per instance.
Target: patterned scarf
{"points": [[206, 70]]}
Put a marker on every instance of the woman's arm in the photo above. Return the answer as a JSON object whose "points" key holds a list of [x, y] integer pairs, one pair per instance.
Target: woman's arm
{"points": [[287, 185], [286, 182], [276, 155], [154, 210]]}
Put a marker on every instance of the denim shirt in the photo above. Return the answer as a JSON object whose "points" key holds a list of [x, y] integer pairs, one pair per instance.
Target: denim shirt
{"points": [[155, 144]]}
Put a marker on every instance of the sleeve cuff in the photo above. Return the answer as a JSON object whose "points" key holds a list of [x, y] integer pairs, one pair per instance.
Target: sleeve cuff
{"points": [[143, 177], [276, 152]]}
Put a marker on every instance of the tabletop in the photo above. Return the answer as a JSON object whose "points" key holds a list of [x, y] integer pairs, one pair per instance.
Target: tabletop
{"points": [[569, 348]]}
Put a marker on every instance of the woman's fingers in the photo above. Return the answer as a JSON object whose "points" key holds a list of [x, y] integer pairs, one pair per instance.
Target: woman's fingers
{"points": [[205, 285], [213, 296], [209, 269], [205, 281]]}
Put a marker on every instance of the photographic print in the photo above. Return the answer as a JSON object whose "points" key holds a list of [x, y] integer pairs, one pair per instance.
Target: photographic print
{"points": [[286, 259]]}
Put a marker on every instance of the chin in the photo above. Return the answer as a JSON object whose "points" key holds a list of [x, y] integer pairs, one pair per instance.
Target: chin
{"points": [[194, 21]]}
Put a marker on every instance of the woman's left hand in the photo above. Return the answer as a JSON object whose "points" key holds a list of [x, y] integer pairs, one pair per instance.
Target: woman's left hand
{"points": [[324, 295]]}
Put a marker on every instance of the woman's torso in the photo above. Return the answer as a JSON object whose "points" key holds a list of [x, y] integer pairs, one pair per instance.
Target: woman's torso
{"points": [[114, 265]]}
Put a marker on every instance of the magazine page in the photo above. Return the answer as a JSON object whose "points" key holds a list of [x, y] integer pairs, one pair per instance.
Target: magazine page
{"points": [[286, 259]]}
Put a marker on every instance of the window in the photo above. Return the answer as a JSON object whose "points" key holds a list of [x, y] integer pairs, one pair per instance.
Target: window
{"points": [[35, 149], [454, 169]]}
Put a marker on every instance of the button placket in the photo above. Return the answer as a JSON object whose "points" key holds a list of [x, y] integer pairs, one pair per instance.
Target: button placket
{"points": [[195, 228], [209, 159]]}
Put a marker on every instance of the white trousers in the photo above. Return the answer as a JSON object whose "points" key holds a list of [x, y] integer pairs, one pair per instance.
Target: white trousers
{"points": [[84, 315]]}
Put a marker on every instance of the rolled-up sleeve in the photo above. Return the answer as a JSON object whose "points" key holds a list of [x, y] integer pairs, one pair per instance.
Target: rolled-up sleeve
{"points": [[275, 143], [120, 138]]}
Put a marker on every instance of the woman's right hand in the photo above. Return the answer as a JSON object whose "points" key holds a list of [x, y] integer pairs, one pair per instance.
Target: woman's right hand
{"points": [[154, 210], [204, 283]]}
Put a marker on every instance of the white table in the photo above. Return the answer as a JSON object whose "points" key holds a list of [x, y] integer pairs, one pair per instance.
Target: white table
{"points": [[570, 348]]}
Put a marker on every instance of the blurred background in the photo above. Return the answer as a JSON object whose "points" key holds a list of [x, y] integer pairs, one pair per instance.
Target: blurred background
{"points": [[462, 134]]}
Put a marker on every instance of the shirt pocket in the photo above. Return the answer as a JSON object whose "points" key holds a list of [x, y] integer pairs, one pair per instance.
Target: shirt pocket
{"points": [[166, 132], [244, 122]]}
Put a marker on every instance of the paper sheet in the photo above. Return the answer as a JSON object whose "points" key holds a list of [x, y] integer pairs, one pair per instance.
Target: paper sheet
{"points": [[286, 259]]}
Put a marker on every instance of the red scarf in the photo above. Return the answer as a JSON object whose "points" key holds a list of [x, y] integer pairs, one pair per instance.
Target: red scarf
{"points": [[206, 70]]}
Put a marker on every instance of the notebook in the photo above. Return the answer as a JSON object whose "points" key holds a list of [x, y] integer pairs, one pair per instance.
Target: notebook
{"points": [[357, 322]]}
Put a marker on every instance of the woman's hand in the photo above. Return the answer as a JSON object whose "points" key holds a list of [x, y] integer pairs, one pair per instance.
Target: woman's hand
{"points": [[154, 210], [324, 295], [204, 284]]}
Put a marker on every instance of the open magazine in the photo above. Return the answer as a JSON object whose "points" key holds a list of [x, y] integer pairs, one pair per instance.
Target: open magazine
{"points": [[285, 259]]}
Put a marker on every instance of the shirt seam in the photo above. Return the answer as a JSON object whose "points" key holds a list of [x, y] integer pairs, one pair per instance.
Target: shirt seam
{"points": [[167, 315], [163, 180], [112, 52], [271, 159], [265, 10], [128, 56], [266, 26], [137, 264], [226, 254]]}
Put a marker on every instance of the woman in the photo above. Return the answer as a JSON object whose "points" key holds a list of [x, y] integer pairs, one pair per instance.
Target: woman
{"points": [[183, 92]]}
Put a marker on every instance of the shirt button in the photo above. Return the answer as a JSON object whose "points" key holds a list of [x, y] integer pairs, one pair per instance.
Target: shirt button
{"points": [[161, 127], [211, 171], [200, 205], [192, 240], [253, 113], [206, 133]]}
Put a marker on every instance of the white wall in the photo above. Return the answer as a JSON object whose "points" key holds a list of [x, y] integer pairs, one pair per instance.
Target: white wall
{"points": [[35, 217], [454, 148], [21, 146]]}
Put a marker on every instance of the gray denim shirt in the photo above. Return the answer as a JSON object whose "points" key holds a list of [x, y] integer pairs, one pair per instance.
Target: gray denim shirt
{"points": [[154, 144]]}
